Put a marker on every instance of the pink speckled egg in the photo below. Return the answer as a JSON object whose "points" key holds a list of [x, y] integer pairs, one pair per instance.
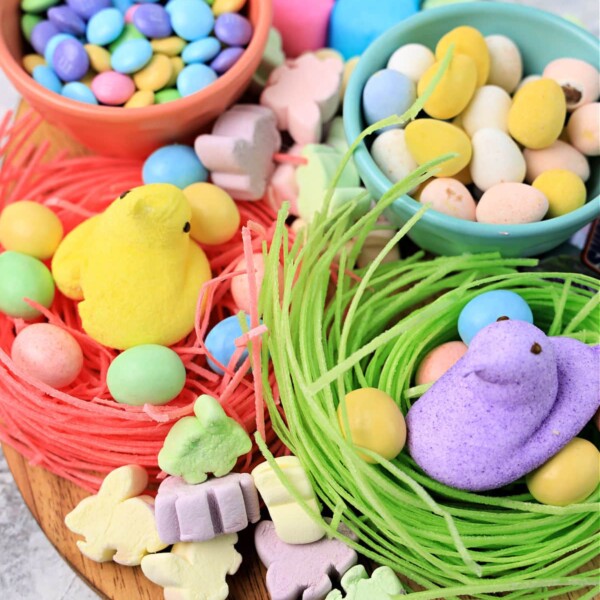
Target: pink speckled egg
{"points": [[511, 204], [584, 129], [578, 79], [559, 155], [438, 361], [48, 353], [450, 197], [113, 88], [239, 285]]}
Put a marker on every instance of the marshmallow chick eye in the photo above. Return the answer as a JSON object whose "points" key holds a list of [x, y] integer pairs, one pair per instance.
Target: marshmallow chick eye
{"points": [[536, 348]]}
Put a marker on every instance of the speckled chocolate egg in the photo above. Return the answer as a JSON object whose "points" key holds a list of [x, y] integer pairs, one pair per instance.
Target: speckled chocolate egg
{"points": [[392, 156], [584, 129], [559, 155], [579, 80], [489, 108], [506, 64], [450, 197], [511, 204]]}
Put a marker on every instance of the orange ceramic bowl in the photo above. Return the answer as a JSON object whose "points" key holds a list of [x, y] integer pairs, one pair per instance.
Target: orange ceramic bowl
{"points": [[133, 133]]}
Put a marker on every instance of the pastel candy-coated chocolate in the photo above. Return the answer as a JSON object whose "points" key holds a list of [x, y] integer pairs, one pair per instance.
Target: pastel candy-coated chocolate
{"points": [[191, 19], [140, 99], [226, 59], [292, 524], [194, 78], [66, 20], [113, 88], [36, 6], [387, 93], [584, 129], [565, 191], [196, 513], [412, 60], [506, 64], [99, 58], [105, 26], [131, 56], [31, 61], [41, 34], [176, 164], [130, 32], [53, 42], [28, 22], [220, 343], [172, 46], [166, 95], [510, 203], [559, 155], [70, 60], [75, 90], [209, 442], [153, 21], [155, 75], [201, 50], [390, 152], [239, 151], [304, 93], [438, 361], [118, 522], [489, 108], [233, 29], [222, 6], [300, 570], [579, 80], [88, 8], [449, 196], [513, 401], [382, 585]]}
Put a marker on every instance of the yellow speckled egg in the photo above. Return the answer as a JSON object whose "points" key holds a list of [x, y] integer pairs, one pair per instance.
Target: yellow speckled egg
{"points": [[438, 361], [537, 114], [376, 423], [569, 476], [140, 99], [31, 61], [454, 90], [155, 75], [99, 58], [30, 228], [467, 41], [428, 139], [565, 191]]}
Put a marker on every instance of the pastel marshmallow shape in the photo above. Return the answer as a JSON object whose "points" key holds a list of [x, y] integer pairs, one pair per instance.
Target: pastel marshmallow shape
{"points": [[382, 585]]}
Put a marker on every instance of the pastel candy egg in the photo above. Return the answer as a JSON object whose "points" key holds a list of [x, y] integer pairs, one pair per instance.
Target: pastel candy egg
{"points": [[584, 129], [511, 204], [166, 95], [226, 59], [488, 108], [155, 75], [450, 197], [559, 155], [565, 191], [506, 64], [153, 21], [140, 99], [171, 46], [75, 90], [70, 60], [412, 60], [131, 56], [428, 139], [374, 422], [220, 343], [47, 78], [233, 29], [146, 374], [130, 32], [66, 20], [48, 353], [194, 78], [489, 307], [99, 58], [579, 80], [105, 26], [112, 88], [191, 19], [201, 50], [176, 164], [467, 41], [36, 6], [22, 276], [454, 90], [496, 159], [215, 215], [438, 361], [570, 476], [240, 287], [387, 93], [537, 114], [390, 152]]}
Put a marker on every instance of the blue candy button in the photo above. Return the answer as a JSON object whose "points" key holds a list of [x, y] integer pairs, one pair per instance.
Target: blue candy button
{"points": [[194, 78], [48, 78], [131, 56], [201, 51], [80, 92], [191, 19], [105, 26]]}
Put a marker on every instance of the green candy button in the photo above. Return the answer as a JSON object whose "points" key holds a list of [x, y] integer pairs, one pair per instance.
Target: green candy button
{"points": [[130, 32], [28, 22], [38, 6], [167, 95]]}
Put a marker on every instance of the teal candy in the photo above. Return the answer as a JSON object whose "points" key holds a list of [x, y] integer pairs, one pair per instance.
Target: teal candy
{"points": [[45, 76], [194, 78], [75, 90], [130, 32], [22, 276], [105, 26], [201, 51], [131, 56], [176, 164]]}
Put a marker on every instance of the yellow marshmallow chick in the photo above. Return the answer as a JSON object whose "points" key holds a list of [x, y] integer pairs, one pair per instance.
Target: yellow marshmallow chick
{"points": [[136, 269]]}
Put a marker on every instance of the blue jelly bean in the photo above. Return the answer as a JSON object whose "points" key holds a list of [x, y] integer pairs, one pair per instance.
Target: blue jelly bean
{"points": [[66, 20], [220, 342], [45, 76], [105, 26], [201, 51], [52, 45], [191, 19], [175, 164], [487, 308], [226, 59], [194, 78], [75, 90], [86, 9], [233, 29], [41, 34], [153, 21], [70, 60], [131, 56]]}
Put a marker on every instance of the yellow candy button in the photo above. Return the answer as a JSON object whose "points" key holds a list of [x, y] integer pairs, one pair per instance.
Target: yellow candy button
{"points": [[171, 46], [155, 75], [428, 139], [177, 65], [31, 61], [99, 58], [215, 216], [565, 191], [569, 476], [375, 421], [467, 41], [30, 228], [223, 6], [140, 99]]}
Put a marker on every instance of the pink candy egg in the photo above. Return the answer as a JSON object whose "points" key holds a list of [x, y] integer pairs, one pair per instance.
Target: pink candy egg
{"points": [[584, 129], [239, 285], [578, 79], [512, 203], [48, 353], [559, 155], [113, 88], [450, 197], [438, 361]]}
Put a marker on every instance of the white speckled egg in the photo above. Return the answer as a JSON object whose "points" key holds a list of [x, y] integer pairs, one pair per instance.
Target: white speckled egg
{"points": [[559, 155], [449, 196], [511, 204], [496, 159], [584, 129], [392, 156], [578, 79], [412, 60], [488, 108], [506, 65]]}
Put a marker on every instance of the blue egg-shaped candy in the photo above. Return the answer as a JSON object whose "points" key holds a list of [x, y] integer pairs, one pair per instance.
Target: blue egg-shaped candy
{"points": [[75, 90], [220, 342], [485, 309], [191, 19], [387, 93], [105, 26], [52, 44], [131, 56], [45, 76], [194, 78], [175, 164], [70, 60], [201, 51]]}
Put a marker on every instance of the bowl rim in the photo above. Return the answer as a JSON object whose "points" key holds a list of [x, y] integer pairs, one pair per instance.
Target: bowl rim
{"points": [[56, 102], [353, 117]]}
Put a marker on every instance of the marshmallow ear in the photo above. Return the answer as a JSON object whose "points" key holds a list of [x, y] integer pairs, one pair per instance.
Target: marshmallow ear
{"points": [[166, 570], [123, 483]]}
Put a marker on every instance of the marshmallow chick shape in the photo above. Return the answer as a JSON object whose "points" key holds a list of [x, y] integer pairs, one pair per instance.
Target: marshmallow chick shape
{"points": [[136, 269], [514, 400]]}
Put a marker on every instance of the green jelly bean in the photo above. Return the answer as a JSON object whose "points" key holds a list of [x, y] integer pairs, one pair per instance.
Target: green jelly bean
{"points": [[28, 22], [166, 95]]}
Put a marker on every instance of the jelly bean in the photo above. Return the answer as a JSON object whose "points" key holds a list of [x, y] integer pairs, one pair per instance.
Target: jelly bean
{"points": [[233, 29], [171, 46], [390, 152], [496, 158], [28, 23], [52, 44], [178, 66], [153, 21], [140, 99], [130, 32], [31, 61], [467, 41], [70, 60], [220, 343], [454, 90], [86, 9], [428, 139], [113, 88], [22, 276], [201, 51], [387, 93], [195, 77], [584, 129], [488, 108], [146, 374], [48, 353], [537, 115], [412, 60], [105, 27], [570, 476], [488, 307], [37, 6], [227, 6], [99, 58], [41, 34], [565, 191], [558, 156], [449, 197], [80, 92], [131, 56], [371, 419], [166, 95], [579, 80], [226, 59], [215, 216], [66, 20], [511, 204], [175, 164], [438, 361], [506, 64], [191, 19], [45, 76], [155, 75]]}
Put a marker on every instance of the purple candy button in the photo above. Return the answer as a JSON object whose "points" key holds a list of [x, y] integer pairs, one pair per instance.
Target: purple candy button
{"points": [[152, 20], [41, 34], [233, 29], [226, 59], [70, 60], [88, 8], [66, 20]]}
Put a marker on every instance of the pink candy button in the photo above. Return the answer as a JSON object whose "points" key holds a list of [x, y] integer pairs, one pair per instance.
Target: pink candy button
{"points": [[113, 88]]}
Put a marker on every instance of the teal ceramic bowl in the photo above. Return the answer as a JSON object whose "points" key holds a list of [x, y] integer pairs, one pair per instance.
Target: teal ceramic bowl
{"points": [[541, 38]]}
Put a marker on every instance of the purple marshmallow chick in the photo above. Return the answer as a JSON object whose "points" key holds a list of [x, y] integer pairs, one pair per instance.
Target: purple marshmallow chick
{"points": [[512, 402]]}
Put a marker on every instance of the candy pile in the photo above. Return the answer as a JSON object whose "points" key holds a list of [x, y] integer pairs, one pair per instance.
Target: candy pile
{"points": [[132, 54], [500, 141]]}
